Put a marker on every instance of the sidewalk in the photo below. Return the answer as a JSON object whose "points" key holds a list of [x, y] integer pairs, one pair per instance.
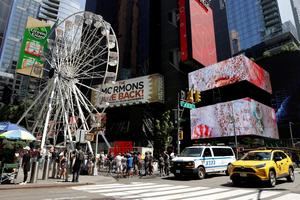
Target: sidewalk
{"points": [[83, 180]]}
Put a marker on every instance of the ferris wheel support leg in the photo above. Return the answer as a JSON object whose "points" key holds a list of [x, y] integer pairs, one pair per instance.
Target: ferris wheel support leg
{"points": [[85, 127], [31, 106], [48, 114], [67, 128]]}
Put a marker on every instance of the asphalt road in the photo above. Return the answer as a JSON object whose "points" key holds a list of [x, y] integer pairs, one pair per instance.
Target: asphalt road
{"points": [[213, 187]]}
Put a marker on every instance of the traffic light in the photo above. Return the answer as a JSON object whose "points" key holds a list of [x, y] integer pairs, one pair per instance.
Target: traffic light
{"points": [[190, 96], [180, 134], [197, 96]]}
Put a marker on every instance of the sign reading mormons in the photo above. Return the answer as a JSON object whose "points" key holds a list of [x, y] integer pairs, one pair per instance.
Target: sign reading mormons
{"points": [[34, 42], [145, 89]]}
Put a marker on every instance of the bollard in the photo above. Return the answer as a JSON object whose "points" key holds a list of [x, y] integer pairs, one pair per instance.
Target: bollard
{"points": [[34, 171], [46, 169], [54, 168]]}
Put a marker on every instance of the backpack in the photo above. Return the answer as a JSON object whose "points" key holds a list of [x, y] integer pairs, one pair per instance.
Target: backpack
{"points": [[80, 156]]}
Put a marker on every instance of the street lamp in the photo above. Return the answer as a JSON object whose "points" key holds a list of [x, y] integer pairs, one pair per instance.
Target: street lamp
{"points": [[234, 131], [291, 132]]}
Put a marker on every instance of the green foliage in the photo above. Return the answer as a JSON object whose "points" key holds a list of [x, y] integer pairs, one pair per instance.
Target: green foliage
{"points": [[163, 130], [8, 149], [13, 113]]}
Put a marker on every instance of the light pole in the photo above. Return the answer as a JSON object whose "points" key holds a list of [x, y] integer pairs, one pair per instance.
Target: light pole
{"points": [[291, 132], [178, 124], [234, 132]]}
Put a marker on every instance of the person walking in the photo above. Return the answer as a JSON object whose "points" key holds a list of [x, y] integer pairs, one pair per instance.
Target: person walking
{"points": [[26, 164], [77, 164], [167, 163], [146, 164], [161, 165]]}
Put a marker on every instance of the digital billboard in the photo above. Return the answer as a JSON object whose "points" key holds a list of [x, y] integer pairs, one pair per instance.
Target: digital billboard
{"points": [[197, 37], [145, 89], [239, 117], [230, 71], [34, 42]]}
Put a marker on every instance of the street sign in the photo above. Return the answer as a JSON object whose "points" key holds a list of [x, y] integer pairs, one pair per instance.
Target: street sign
{"points": [[187, 105]]}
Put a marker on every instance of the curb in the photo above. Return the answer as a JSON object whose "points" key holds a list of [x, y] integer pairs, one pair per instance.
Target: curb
{"points": [[31, 186]]}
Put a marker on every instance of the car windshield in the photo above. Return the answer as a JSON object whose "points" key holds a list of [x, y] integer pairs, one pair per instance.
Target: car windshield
{"points": [[191, 152], [257, 156]]}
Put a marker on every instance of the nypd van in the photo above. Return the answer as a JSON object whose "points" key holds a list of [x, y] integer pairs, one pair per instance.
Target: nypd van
{"points": [[201, 160]]}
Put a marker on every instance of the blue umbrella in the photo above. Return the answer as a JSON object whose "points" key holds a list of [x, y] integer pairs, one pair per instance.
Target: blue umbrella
{"points": [[17, 135], [7, 126]]}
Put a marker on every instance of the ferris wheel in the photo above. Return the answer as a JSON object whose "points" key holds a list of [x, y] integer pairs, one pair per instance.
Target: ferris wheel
{"points": [[82, 52]]}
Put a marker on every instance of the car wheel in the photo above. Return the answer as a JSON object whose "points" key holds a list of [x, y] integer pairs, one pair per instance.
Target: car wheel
{"points": [[201, 173], [272, 178], [291, 176]]}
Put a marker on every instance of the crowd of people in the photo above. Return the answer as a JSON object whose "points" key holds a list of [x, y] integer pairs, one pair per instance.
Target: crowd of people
{"points": [[135, 164]]}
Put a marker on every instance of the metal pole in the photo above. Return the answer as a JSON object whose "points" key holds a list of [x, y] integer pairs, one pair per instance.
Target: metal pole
{"points": [[96, 151], [291, 132], [178, 123], [235, 136]]}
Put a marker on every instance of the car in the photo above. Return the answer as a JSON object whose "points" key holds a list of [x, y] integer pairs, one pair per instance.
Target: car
{"points": [[262, 165], [201, 160]]}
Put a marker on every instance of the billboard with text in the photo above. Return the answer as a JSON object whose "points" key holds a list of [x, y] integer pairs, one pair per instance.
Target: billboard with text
{"points": [[34, 42], [145, 89]]}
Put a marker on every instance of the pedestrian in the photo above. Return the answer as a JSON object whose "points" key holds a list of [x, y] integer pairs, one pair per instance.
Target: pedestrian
{"points": [[161, 164], [26, 163], [63, 164], [77, 164], [129, 165], [167, 163], [150, 164], [146, 164], [118, 161]]}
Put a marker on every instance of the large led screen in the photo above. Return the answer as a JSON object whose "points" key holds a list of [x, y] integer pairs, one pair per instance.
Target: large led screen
{"points": [[202, 33], [197, 37], [230, 71], [240, 117]]}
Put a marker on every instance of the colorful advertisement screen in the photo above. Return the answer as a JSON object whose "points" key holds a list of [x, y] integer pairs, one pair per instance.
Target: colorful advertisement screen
{"points": [[230, 71], [197, 37], [202, 33], [239, 117], [145, 89], [34, 42]]}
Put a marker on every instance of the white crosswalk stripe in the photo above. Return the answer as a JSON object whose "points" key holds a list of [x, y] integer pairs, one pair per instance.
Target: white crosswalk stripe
{"points": [[154, 191]]}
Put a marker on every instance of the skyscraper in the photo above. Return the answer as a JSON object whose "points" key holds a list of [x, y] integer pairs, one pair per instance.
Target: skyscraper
{"points": [[250, 22], [296, 12], [16, 22], [221, 29]]}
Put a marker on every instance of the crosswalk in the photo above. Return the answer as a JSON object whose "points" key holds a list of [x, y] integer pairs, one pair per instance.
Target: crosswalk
{"points": [[155, 191]]}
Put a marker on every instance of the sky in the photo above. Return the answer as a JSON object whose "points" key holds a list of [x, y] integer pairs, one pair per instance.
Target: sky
{"points": [[285, 9]]}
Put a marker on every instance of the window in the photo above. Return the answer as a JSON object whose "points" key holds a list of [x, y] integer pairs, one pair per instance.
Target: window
{"points": [[173, 17], [207, 153], [174, 57], [282, 155], [222, 152]]}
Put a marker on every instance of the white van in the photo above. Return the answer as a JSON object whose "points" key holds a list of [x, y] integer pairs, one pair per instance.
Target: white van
{"points": [[200, 160]]}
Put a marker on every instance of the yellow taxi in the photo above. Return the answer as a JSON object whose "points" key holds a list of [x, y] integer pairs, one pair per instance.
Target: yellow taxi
{"points": [[263, 165]]}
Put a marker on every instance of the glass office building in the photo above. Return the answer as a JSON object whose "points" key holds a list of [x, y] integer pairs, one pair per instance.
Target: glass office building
{"points": [[296, 12], [251, 21]]}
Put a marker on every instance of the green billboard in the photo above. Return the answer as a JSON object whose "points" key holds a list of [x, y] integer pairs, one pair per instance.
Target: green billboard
{"points": [[34, 42]]}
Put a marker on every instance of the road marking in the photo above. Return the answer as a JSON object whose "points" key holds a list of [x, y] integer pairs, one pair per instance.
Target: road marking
{"points": [[290, 196], [258, 195], [154, 191], [190, 194], [66, 198]]}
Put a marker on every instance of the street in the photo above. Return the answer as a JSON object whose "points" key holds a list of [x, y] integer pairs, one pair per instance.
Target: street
{"points": [[213, 187]]}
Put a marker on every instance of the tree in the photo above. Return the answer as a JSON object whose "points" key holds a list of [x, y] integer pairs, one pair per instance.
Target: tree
{"points": [[163, 129]]}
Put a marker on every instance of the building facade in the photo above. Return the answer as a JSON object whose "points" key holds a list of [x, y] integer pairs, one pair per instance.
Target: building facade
{"points": [[221, 29], [250, 22], [20, 86], [296, 12]]}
